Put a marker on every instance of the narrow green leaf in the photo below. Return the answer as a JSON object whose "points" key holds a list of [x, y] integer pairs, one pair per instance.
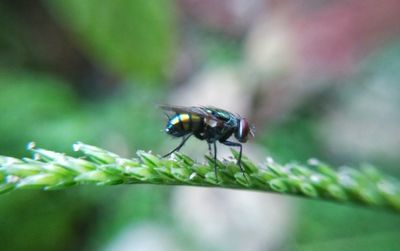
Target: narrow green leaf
{"points": [[6, 187], [96, 166], [308, 190], [149, 159], [279, 185], [40, 180], [98, 176], [23, 169], [336, 192]]}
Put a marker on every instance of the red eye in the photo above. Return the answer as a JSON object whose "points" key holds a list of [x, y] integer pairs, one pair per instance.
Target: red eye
{"points": [[243, 130]]}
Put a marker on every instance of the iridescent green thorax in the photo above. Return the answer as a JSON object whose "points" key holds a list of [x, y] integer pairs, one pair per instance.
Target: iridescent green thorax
{"points": [[230, 120]]}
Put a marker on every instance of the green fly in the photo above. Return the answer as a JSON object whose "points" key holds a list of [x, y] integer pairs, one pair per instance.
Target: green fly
{"points": [[210, 124]]}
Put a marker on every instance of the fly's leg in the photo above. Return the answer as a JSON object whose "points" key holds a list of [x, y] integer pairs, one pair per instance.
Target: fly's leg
{"points": [[212, 132], [184, 139], [209, 149], [239, 161], [215, 160]]}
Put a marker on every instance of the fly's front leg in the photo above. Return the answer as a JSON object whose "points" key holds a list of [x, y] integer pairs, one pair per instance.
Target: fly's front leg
{"points": [[239, 161]]}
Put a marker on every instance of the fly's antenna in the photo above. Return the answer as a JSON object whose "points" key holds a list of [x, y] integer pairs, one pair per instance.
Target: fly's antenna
{"points": [[252, 130]]}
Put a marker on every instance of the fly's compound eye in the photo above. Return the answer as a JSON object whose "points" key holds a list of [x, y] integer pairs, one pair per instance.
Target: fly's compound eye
{"points": [[243, 130]]}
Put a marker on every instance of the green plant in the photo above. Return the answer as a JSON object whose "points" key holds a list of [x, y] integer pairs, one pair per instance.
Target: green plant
{"points": [[50, 170]]}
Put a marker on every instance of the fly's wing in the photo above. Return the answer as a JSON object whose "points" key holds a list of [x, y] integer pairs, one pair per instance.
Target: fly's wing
{"points": [[202, 112], [185, 109], [227, 119]]}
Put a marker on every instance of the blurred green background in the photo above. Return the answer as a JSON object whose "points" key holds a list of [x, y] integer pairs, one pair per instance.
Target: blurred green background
{"points": [[318, 79]]}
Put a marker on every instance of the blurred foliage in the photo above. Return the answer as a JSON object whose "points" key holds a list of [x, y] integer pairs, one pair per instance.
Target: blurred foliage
{"points": [[293, 140], [372, 96], [132, 206], [11, 48], [326, 226], [29, 104], [78, 219], [38, 107], [219, 50], [38, 221], [132, 38]]}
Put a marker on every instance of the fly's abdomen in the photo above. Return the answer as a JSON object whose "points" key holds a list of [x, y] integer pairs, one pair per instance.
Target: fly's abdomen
{"points": [[182, 124]]}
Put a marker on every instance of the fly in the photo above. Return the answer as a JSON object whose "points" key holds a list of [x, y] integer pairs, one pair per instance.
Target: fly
{"points": [[210, 124]]}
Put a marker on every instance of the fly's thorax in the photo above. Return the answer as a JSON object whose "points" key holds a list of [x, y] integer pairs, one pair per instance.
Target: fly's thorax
{"points": [[226, 134]]}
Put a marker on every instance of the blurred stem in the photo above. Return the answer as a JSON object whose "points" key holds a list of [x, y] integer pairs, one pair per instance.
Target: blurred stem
{"points": [[51, 170]]}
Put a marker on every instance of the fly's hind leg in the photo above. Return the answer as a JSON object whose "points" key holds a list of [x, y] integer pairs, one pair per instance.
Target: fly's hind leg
{"points": [[184, 139]]}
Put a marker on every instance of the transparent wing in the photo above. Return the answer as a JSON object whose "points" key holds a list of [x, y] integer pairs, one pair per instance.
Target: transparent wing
{"points": [[202, 112], [186, 109]]}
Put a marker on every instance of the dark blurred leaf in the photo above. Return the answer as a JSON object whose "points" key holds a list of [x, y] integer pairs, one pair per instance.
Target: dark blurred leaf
{"points": [[129, 37], [44, 221]]}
